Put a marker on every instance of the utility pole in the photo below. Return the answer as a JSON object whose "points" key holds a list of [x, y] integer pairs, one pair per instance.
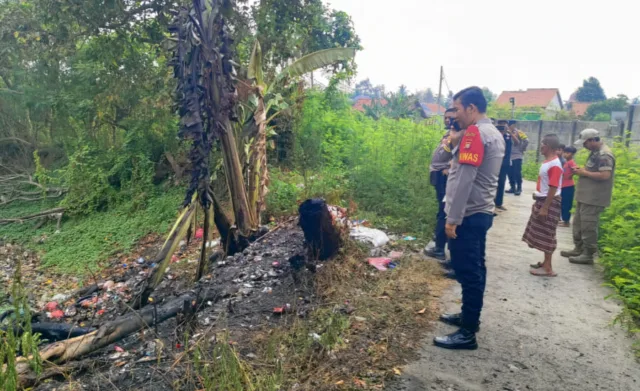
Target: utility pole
{"points": [[513, 105], [440, 88]]}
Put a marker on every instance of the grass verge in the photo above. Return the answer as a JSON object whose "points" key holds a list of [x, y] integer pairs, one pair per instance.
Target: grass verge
{"points": [[369, 323], [84, 241]]}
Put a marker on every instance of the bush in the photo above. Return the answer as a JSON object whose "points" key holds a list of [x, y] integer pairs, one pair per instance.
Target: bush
{"points": [[343, 156], [620, 234], [530, 168]]}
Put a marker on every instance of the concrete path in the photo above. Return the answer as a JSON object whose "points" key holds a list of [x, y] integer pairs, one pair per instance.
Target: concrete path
{"points": [[536, 333]]}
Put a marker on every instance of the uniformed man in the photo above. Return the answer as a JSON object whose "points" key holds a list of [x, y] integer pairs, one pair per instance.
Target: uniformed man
{"points": [[593, 194], [506, 163], [477, 154], [439, 170], [520, 143]]}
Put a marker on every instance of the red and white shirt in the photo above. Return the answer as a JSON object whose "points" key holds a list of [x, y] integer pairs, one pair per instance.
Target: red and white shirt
{"points": [[550, 175]]}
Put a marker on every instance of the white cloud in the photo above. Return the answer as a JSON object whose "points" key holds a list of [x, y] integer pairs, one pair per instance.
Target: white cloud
{"points": [[504, 45]]}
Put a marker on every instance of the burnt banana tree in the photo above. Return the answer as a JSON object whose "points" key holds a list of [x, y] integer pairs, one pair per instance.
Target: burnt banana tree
{"points": [[206, 98], [208, 105]]}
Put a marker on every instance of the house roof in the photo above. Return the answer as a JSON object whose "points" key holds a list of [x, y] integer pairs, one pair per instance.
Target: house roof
{"points": [[573, 97], [532, 97], [580, 108], [362, 101], [432, 108]]}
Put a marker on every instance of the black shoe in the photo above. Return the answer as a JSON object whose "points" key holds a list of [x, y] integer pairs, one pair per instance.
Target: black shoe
{"points": [[510, 191], [446, 265], [452, 319], [451, 275], [435, 253], [518, 192], [461, 339]]}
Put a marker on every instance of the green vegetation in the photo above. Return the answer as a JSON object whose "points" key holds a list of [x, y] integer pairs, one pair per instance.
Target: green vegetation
{"points": [[530, 167], [84, 241], [620, 235], [342, 155], [12, 343]]}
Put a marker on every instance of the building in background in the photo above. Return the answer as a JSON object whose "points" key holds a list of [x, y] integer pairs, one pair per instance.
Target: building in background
{"points": [[546, 99], [431, 109]]}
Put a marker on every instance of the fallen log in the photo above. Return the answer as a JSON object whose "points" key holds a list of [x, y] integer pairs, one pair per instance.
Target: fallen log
{"points": [[53, 332], [63, 371], [21, 219], [113, 331]]}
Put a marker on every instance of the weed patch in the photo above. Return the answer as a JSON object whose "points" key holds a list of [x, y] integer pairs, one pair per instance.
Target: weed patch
{"points": [[367, 324], [620, 235], [84, 241]]}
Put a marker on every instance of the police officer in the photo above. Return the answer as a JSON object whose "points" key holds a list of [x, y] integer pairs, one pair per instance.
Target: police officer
{"points": [[506, 163], [477, 154], [593, 194], [439, 169]]}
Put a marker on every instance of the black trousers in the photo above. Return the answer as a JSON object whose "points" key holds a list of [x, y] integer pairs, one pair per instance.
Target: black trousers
{"points": [[502, 179], [515, 174], [439, 182], [468, 261]]}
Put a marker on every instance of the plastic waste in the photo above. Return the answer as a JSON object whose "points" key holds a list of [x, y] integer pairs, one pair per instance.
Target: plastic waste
{"points": [[396, 254], [380, 263], [373, 236]]}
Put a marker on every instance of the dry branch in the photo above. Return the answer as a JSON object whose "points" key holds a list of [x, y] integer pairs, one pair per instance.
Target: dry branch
{"points": [[113, 331], [56, 212]]}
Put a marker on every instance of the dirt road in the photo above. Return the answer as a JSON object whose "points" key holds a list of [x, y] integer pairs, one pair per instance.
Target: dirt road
{"points": [[536, 333]]}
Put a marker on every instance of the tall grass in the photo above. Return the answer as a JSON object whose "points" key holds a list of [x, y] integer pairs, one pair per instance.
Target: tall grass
{"points": [[381, 165], [620, 234], [86, 240]]}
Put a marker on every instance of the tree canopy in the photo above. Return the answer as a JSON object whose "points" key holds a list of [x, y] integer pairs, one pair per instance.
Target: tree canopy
{"points": [[604, 108], [87, 84], [591, 91]]}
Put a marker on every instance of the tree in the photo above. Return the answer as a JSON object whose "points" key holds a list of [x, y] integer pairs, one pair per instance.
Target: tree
{"points": [[364, 87], [591, 91], [564, 115], [488, 95], [448, 102], [619, 103], [207, 97], [402, 90], [426, 96], [292, 28]]}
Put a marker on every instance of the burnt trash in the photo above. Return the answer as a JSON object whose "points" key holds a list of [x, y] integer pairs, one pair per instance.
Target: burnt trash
{"points": [[321, 236]]}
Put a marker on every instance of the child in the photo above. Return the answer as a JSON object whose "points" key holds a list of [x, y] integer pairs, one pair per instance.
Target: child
{"points": [[545, 212], [560, 153], [568, 185]]}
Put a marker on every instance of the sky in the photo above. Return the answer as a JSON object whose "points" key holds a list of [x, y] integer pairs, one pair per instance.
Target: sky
{"points": [[500, 44]]}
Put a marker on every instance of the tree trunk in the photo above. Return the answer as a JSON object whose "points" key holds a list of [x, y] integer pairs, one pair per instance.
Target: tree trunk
{"points": [[244, 216], [74, 348], [257, 175]]}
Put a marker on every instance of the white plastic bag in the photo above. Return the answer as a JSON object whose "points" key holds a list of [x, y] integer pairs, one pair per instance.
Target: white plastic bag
{"points": [[374, 237]]}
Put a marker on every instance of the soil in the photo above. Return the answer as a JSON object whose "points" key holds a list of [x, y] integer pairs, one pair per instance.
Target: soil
{"points": [[265, 288], [536, 333]]}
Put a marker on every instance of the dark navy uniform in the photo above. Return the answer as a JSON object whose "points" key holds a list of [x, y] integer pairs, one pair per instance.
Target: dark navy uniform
{"points": [[439, 162], [505, 168]]}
